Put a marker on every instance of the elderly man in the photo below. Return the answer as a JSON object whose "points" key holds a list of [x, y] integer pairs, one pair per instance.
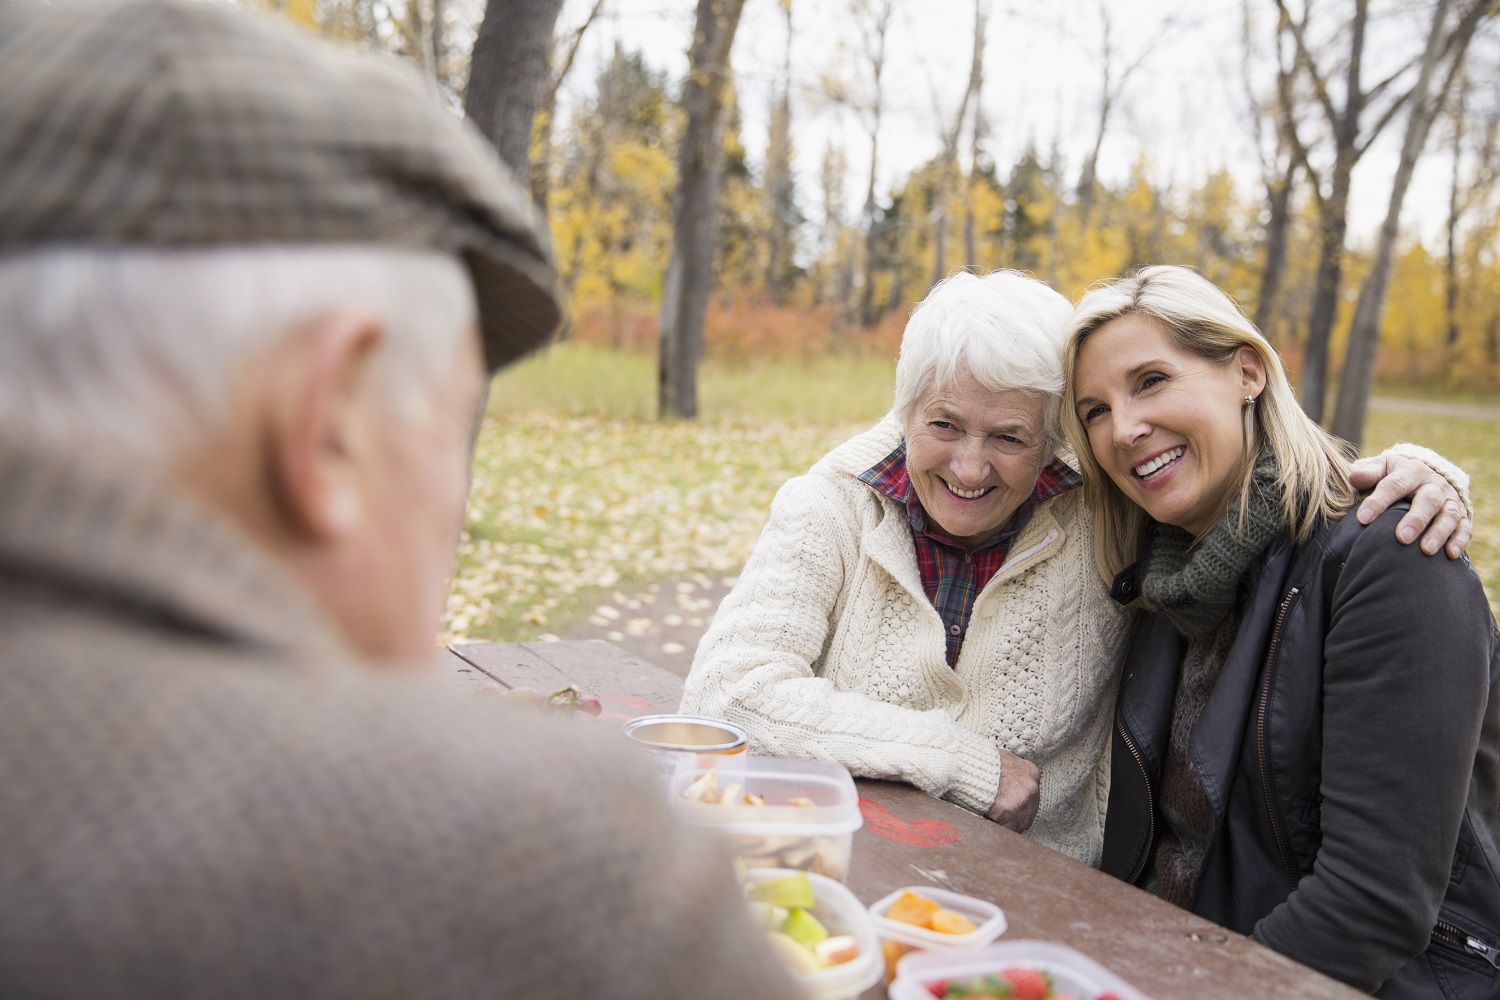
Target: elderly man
{"points": [[250, 288]]}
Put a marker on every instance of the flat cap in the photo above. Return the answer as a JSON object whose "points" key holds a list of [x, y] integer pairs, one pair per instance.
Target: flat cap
{"points": [[180, 123]]}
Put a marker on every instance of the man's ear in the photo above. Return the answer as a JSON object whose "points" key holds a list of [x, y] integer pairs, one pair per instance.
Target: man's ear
{"points": [[318, 432]]}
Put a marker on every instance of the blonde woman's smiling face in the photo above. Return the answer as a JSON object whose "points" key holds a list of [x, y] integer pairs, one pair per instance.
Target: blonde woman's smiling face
{"points": [[974, 455], [1165, 425]]}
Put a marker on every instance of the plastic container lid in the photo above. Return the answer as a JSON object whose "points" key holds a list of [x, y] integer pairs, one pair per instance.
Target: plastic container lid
{"points": [[989, 917], [835, 803], [841, 912], [1072, 972]]}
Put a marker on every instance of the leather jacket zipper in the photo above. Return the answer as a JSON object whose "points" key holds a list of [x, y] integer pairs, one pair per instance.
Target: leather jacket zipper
{"points": [[1140, 868], [1261, 741], [1456, 937]]}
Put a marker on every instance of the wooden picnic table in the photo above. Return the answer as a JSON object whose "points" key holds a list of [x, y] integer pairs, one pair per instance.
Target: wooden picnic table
{"points": [[912, 838]]}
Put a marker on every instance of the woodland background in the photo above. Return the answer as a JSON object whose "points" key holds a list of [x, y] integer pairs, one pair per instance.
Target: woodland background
{"points": [[760, 190]]}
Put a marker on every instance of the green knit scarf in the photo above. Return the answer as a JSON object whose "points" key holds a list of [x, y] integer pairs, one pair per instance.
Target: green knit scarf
{"points": [[1196, 585]]}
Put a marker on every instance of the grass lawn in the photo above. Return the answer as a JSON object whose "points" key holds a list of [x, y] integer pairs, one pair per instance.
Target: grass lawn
{"points": [[1475, 445], [578, 492]]}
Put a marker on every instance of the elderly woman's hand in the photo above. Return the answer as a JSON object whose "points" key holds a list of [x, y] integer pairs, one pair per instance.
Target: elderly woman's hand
{"points": [[1020, 789], [1436, 505]]}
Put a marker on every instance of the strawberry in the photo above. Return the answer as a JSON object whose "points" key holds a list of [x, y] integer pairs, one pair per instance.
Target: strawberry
{"points": [[938, 988], [1028, 984]]}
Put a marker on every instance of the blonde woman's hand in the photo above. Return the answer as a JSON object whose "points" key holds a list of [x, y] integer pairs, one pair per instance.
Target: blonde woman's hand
{"points": [[1019, 793]]}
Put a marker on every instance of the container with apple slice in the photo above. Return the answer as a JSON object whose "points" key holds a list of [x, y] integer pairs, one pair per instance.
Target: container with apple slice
{"points": [[819, 928]]}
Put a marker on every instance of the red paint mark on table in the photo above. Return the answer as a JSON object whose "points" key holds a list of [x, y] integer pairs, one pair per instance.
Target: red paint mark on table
{"points": [[923, 832]]}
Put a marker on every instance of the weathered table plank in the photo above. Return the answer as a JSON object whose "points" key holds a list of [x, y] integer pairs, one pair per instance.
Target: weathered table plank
{"points": [[911, 838], [627, 686]]}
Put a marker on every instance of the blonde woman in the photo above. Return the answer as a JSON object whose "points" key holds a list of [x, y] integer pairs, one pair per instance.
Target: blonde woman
{"points": [[1306, 746]]}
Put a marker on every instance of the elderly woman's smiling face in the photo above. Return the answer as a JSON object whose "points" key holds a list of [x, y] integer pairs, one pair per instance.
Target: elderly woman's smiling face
{"points": [[974, 454]]}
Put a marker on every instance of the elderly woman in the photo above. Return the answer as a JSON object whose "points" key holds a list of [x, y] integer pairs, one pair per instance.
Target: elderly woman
{"points": [[923, 605], [1307, 744]]}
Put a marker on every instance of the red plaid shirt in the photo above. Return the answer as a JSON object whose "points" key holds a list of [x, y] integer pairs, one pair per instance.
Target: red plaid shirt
{"points": [[953, 573]]}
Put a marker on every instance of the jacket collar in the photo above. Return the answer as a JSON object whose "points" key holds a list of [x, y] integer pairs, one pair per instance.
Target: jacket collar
{"points": [[1151, 676], [110, 533]]}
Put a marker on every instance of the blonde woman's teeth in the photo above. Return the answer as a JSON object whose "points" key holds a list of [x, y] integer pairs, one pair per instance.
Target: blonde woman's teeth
{"points": [[1165, 458]]}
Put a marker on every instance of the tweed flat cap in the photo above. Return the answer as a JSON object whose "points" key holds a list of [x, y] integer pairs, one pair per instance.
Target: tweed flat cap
{"points": [[179, 123]]}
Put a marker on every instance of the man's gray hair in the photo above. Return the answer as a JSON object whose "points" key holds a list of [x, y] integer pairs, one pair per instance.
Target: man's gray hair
{"points": [[1004, 328], [135, 350]]}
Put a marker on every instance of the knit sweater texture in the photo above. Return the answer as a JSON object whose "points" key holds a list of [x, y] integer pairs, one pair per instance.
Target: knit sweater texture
{"points": [[206, 794], [828, 648]]}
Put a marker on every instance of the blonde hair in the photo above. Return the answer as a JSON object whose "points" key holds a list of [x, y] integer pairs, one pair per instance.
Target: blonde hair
{"points": [[1313, 466]]}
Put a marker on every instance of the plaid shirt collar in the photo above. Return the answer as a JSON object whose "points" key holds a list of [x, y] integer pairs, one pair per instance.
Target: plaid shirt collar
{"points": [[953, 573], [890, 477]]}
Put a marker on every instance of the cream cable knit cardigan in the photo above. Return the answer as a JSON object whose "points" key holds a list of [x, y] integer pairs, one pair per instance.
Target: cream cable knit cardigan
{"points": [[828, 648]]}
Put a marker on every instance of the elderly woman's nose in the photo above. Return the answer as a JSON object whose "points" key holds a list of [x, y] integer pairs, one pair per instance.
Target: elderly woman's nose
{"points": [[971, 459]]}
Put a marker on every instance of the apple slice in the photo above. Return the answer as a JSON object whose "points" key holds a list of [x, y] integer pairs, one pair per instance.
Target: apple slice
{"points": [[800, 959], [787, 890], [837, 950], [804, 928], [767, 915]]}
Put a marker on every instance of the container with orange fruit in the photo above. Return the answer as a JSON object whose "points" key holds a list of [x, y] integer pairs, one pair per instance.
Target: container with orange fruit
{"points": [[921, 918]]}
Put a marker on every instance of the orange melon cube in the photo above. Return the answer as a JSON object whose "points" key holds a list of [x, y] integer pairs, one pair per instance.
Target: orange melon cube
{"points": [[911, 908], [893, 950], [952, 922]]}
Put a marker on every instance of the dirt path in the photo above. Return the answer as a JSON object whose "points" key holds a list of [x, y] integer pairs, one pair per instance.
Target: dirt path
{"points": [[661, 622], [1477, 411]]}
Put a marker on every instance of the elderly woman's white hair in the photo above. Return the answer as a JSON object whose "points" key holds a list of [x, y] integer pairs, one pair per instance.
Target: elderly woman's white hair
{"points": [[136, 350], [1004, 328]]}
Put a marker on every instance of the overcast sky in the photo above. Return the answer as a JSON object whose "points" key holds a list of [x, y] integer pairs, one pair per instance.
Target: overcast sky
{"points": [[1184, 107]]}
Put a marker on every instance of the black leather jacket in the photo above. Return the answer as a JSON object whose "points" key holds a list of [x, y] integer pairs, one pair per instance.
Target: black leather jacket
{"points": [[1350, 751]]}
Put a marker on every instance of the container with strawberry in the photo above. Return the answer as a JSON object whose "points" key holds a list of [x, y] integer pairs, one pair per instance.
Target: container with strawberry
{"points": [[1014, 983]]}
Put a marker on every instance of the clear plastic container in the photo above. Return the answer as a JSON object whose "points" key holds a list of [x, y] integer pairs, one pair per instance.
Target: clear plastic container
{"points": [[841, 912], [1072, 972], [988, 917], [806, 821], [905, 938]]}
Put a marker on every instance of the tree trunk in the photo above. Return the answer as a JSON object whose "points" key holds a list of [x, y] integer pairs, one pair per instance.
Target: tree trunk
{"points": [[1332, 225], [422, 40], [1277, 227], [948, 171], [939, 233], [1450, 264], [545, 119], [867, 315], [690, 272], [507, 73], [1364, 333], [875, 20], [779, 174], [1333, 218]]}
